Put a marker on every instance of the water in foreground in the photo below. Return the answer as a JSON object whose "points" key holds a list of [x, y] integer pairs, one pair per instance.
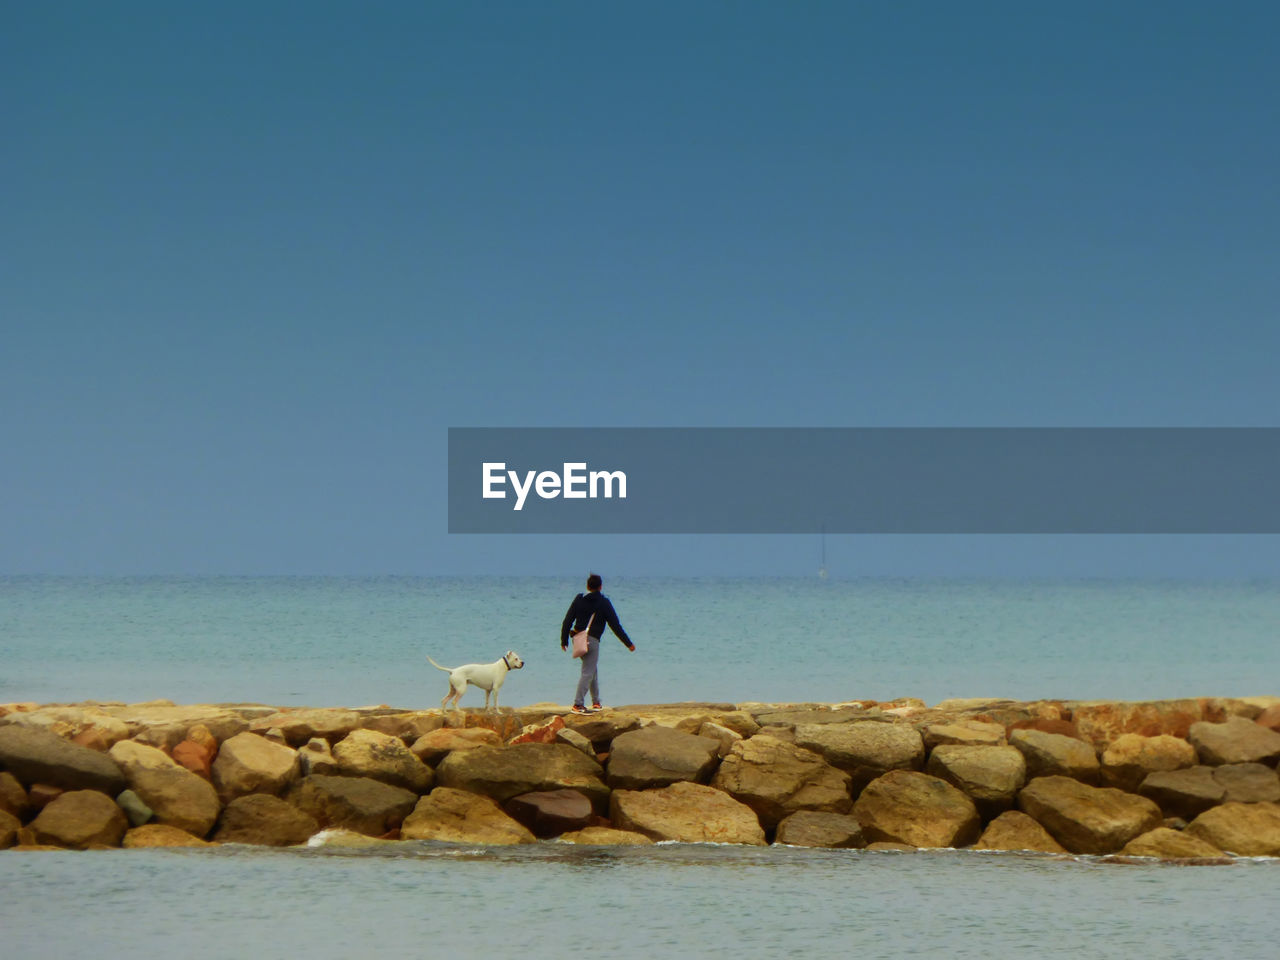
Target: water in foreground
{"points": [[556, 900]]}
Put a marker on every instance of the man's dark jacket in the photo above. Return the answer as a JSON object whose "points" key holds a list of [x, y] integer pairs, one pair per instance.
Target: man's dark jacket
{"points": [[584, 606]]}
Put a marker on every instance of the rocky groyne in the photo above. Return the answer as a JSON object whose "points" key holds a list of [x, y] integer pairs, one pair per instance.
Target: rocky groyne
{"points": [[1193, 780]]}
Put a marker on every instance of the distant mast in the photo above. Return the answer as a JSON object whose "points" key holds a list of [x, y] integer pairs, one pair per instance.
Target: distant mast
{"points": [[822, 569]]}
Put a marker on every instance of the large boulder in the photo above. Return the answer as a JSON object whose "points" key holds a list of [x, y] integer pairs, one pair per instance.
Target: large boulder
{"points": [[299, 726], [434, 746], [1169, 845], [262, 819], [990, 775], [1132, 757], [1245, 829], [161, 835], [906, 806], [1053, 755], [366, 806], [176, 796], [549, 813], [1087, 819], [1014, 830], [964, 733], [506, 772], [80, 819], [33, 755], [1183, 793], [456, 816], [248, 763], [686, 812], [1236, 741], [381, 756], [776, 779], [865, 749], [813, 828], [660, 756], [1248, 783]]}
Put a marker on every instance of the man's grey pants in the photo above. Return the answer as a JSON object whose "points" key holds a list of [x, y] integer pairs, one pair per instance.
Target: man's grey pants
{"points": [[588, 678]]}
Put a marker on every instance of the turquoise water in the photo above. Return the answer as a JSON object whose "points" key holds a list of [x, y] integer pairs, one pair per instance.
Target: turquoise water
{"points": [[357, 641], [553, 900]]}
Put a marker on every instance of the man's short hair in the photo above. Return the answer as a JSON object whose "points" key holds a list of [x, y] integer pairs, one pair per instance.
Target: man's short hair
{"points": [[594, 582]]}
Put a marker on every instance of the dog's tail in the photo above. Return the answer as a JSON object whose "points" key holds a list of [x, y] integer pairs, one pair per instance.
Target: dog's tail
{"points": [[437, 666]]}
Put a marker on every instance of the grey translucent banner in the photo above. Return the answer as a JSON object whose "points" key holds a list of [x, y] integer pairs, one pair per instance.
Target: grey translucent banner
{"points": [[864, 480]]}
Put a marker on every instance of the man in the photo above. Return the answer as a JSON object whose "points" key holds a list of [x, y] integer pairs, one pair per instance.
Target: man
{"points": [[590, 611]]}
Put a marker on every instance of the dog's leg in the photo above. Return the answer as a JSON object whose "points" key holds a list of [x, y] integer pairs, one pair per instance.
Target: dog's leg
{"points": [[455, 694]]}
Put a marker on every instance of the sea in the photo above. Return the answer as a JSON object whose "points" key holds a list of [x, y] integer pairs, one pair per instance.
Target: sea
{"points": [[358, 641]]}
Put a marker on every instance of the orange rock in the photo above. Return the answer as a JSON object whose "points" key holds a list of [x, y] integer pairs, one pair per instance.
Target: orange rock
{"points": [[200, 735], [93, 738], [543, 734], [193, 757], [1104, 722]]}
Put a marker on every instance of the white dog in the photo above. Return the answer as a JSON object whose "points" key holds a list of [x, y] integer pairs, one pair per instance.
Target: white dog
{"points": [[487, 676]]}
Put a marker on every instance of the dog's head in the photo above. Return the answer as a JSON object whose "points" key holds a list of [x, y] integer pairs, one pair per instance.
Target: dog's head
{"points": [[513, 660]]}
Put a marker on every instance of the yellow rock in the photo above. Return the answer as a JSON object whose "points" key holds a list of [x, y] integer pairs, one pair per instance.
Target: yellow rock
{"points": [[605, 836], [162, 835]]}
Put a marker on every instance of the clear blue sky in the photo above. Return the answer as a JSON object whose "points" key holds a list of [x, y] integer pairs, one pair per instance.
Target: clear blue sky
{"points": [[256, 258]]}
